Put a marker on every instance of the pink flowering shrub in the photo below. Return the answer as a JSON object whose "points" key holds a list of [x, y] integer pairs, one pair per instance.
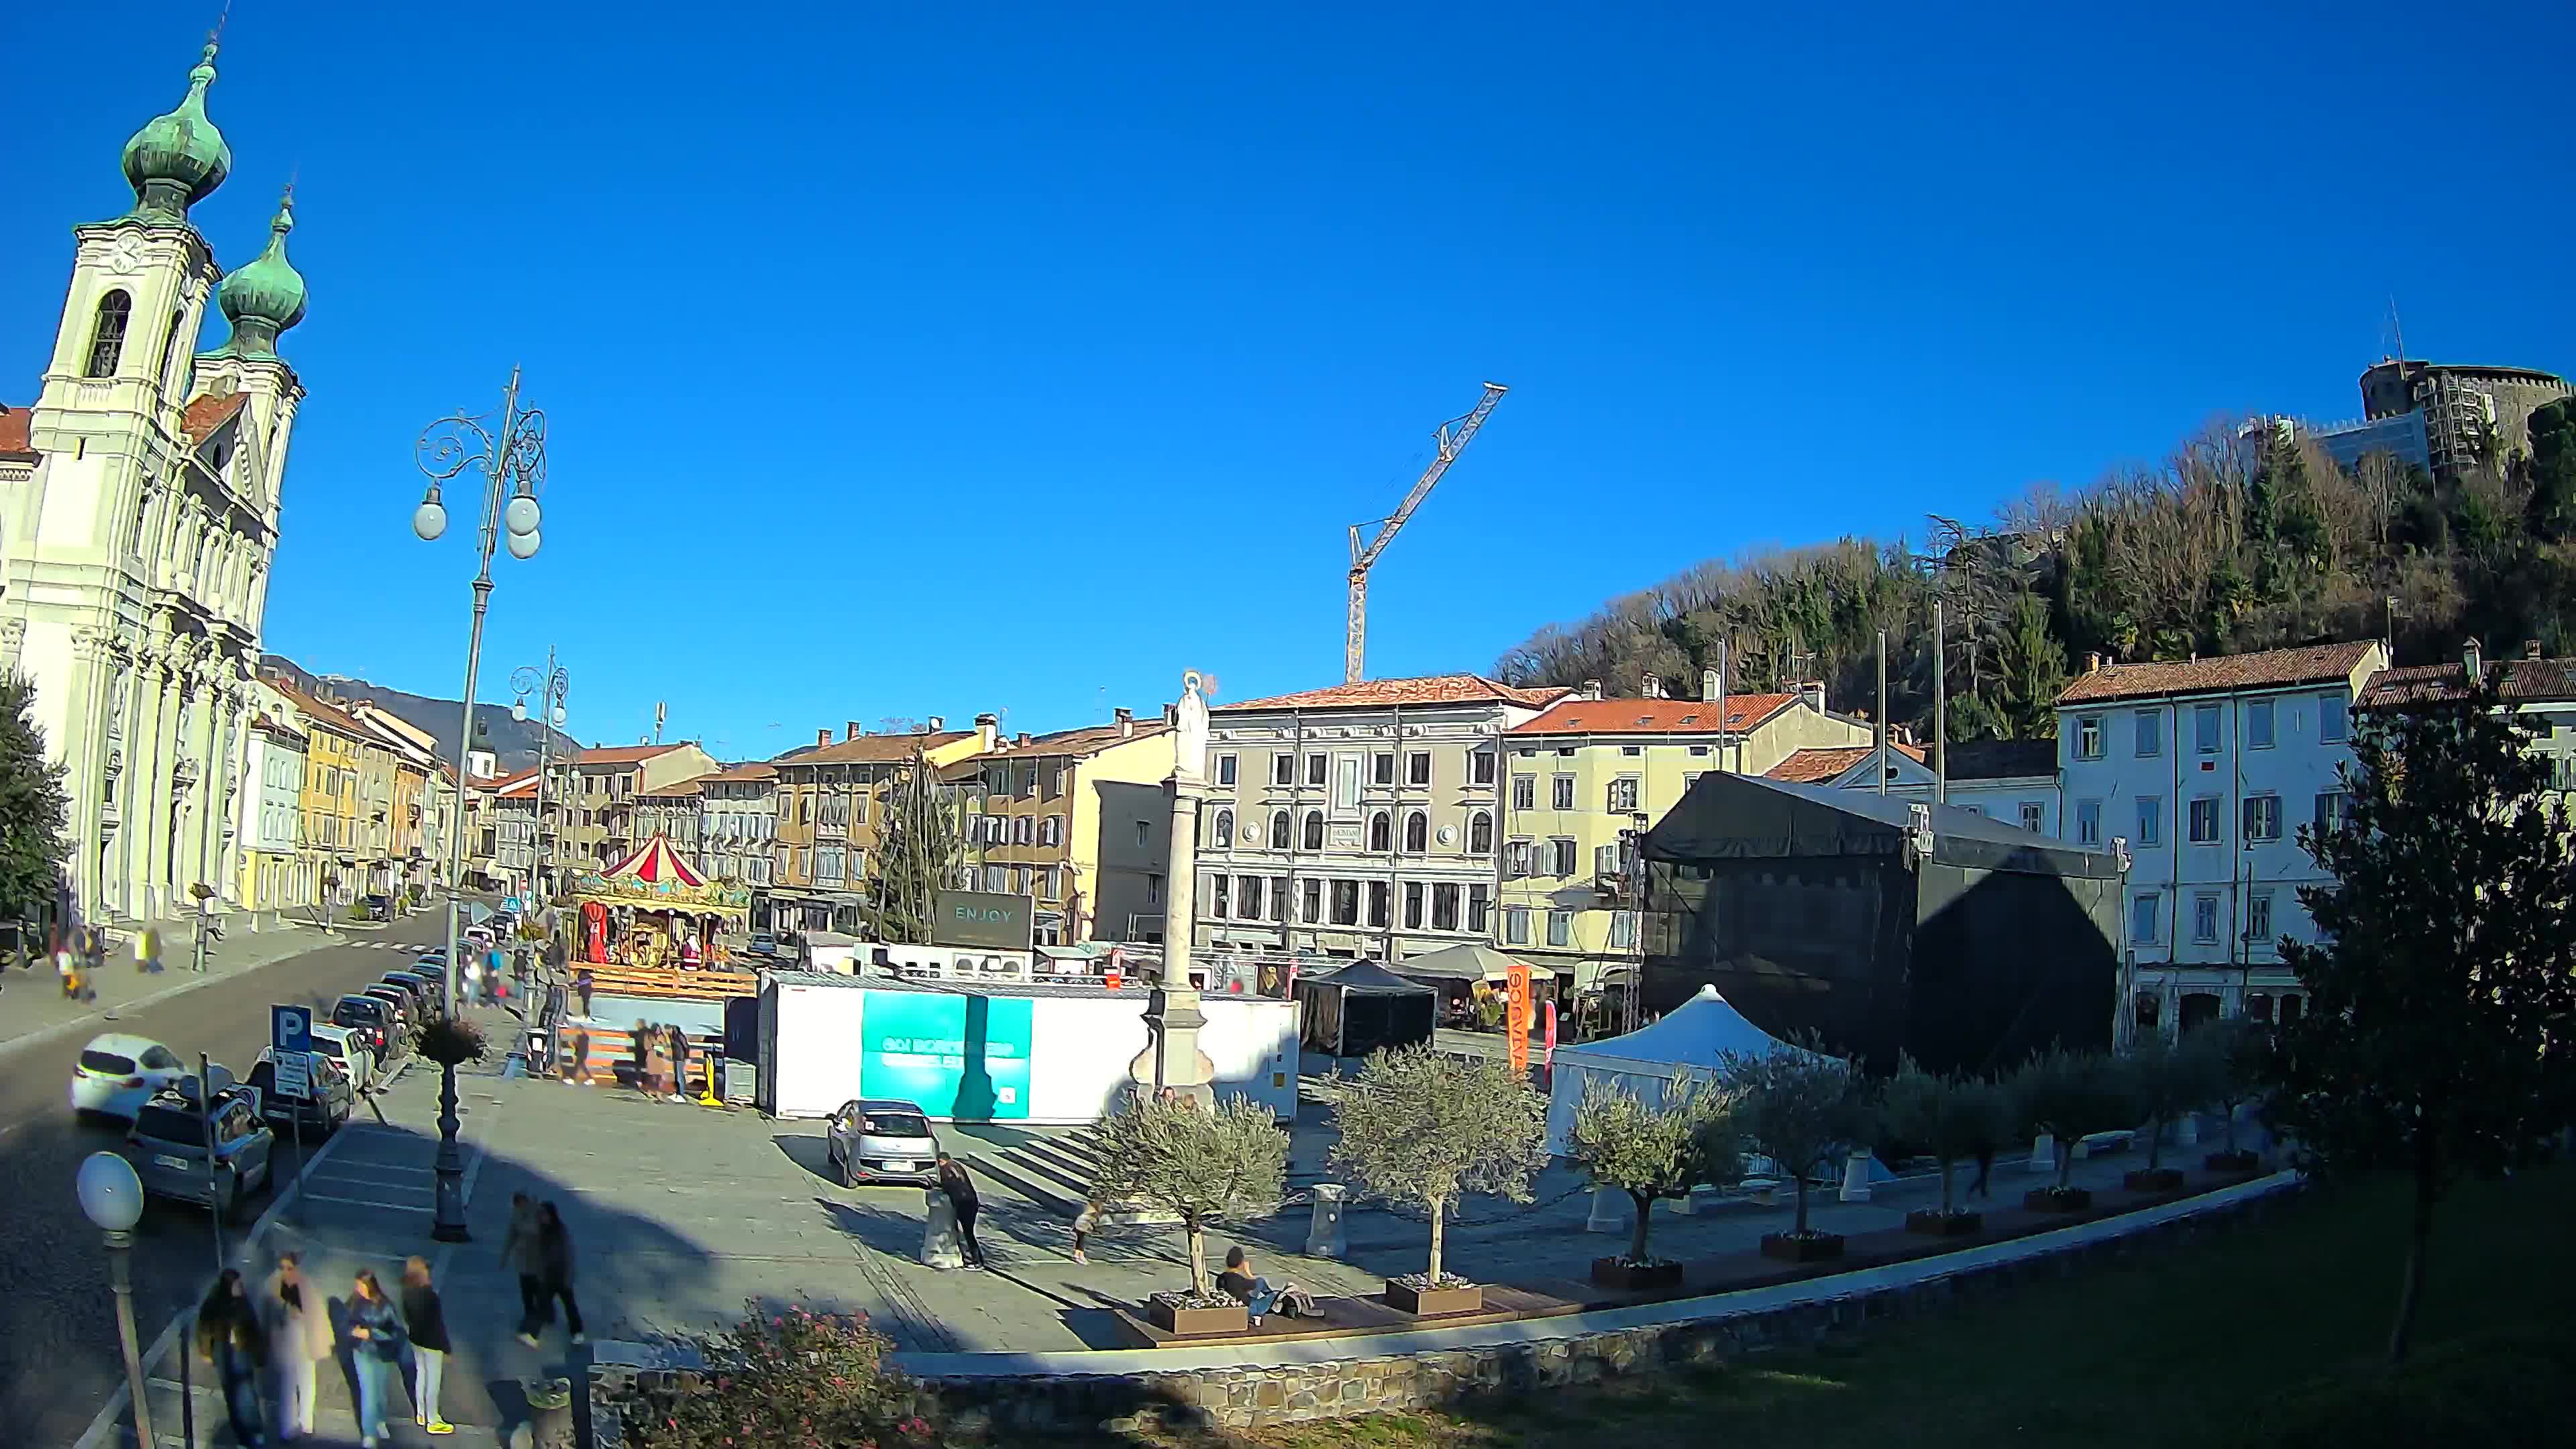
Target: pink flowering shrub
{"points": [[789, 1380]]}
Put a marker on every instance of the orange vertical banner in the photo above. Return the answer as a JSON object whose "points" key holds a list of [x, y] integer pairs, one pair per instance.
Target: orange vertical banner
{"points": [[1516, 1016]]}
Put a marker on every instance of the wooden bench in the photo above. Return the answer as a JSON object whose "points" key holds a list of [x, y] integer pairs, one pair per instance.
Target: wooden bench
{"points": [[666, 984]]}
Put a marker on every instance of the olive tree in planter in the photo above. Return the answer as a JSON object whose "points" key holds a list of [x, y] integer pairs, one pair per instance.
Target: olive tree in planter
{"points": [[1202, 1167], [1955, 1119], [2168, 1080], [2232, 1058], [1418, 1126], [2070, 1096], [1803, 1109], [1662, 1151]]}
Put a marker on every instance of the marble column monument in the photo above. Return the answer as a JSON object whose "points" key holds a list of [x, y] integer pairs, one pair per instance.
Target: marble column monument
{"points": [[1172, 1058]]}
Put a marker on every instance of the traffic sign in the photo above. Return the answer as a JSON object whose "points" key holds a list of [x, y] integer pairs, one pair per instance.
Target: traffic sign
{"points": [[290, 1035]]}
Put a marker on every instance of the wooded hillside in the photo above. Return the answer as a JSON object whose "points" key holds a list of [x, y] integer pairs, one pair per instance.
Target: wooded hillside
{"points": [[2224, 547]]}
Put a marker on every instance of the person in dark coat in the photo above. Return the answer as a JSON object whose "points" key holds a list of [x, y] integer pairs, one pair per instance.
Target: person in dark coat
{"points": [[229, 1334], [425, 1329], [960, 1187], [519, 1250], [554, 1272]]}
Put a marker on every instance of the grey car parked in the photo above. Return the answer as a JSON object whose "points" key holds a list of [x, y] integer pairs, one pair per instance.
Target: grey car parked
{"points": [[883, 1140], [168, 1149]]}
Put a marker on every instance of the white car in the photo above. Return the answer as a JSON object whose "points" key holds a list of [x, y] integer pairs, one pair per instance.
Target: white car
{"points": [[118, 1074], [347, 1056]]}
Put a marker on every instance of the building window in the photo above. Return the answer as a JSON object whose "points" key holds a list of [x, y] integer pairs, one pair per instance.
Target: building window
{"points": [[2151, 733], [2088, 737], [1382, 767], [1279, 838], [1283, 768], [1221, 896], [1144, 830], [1377, 903], [2204, 728], [1247, 896], [2332, 724], [1417, 768], [1480, 833], [1444, 906], [1310, 901], [1318, 769], [2142, 920], [2258, 724], [2333, 808], [2204, 919], [1153, 890], [1314, 830], [2034, 815], [2204, 820], [1225, 769], [2258, 918], [1561, 796], [1566, 854], [2088, 822], [2151, 820], [107, 333], [995, 877], [1413, 905], [1524, 792], [1623, 795], [1516, 859], [1224, 829], [1623, 931], [1417, 833], [1516, 925], [1560, 928], [1381, 833], [1279, 898], [1480, 767], [2262, 817], [1479, 907]]}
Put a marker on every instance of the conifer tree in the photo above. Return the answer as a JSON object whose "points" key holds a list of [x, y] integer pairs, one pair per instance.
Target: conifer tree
{"points": [[916, 856], [33, 809]]}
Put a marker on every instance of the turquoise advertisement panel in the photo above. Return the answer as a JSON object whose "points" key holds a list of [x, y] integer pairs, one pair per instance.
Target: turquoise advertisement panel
{"points": [[965, 1057]]}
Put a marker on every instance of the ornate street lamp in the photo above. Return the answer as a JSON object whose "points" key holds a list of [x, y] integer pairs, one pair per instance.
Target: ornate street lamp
{"points": [[512, 459], [550, 687], [112, 1196]]}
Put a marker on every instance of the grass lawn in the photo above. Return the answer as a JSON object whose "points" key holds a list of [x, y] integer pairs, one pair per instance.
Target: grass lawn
{"points": [[2201, 1346]]}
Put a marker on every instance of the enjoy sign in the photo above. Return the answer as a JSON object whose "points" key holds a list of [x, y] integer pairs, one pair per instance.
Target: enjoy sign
{"points": [[980, 918]]}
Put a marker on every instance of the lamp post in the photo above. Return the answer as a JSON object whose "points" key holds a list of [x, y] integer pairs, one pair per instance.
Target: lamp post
{"points": [[112, 1196], [512, 460], [550, 688]]}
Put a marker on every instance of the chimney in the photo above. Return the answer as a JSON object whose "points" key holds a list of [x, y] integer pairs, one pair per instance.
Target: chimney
{"points": [[934, 724], [1023, 739], [1654, 686], [852, 730], [1708, 684], [2530, 648], [2472, 661], [2093, 661], [1813, 691], [1126, 722], [1591, 690], [988, 729], [822, 737]]}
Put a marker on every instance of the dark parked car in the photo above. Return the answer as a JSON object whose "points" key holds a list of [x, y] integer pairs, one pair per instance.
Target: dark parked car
{"points": [[327, 1103], [372, 1016], [433, 985], [168, 1149], [416, 1000]]}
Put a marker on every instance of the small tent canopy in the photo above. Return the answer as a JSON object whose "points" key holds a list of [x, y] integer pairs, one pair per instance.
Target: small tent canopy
{"points": [[1363, 1008], [1695, 1038], [1470, 962]]}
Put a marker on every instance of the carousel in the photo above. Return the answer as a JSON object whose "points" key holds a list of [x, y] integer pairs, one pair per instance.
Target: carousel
{"points": [[653, 910]]}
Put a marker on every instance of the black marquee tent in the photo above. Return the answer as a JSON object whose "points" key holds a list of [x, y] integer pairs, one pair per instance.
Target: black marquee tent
{"points": [[1963, 941], [1363, 1008]]}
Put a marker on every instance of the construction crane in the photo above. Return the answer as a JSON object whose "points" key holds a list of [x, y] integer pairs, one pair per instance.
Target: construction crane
{"points": [[1447, 442]]}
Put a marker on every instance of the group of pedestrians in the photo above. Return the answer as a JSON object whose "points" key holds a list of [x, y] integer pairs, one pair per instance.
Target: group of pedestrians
{"points": [[284, 1332], [662, 1056]]}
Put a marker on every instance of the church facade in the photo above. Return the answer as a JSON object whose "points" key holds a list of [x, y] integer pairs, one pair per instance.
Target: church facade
{"points": [[138, 520]]}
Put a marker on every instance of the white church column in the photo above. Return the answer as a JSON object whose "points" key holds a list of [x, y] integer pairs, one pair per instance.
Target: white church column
{"points": [[138, 787], [84, 755], [203, 803]]}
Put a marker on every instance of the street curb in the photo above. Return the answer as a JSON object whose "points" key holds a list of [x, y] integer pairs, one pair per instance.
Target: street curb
{"points": [[108, 1428]]}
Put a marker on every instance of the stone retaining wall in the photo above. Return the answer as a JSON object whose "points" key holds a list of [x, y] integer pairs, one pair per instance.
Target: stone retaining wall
{"points": [[1011, 1408]]}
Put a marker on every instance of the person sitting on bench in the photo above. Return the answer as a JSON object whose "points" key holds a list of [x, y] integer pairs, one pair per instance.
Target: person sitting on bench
{"points": [[1287, 1300]]}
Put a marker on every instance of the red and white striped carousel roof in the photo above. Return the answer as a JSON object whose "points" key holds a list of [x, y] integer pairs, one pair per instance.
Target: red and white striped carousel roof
{"points": [[656, 863]]}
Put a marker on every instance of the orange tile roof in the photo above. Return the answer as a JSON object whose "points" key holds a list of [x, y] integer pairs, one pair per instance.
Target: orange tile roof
{"points": [[1088, 740], [14, 426], [1823, 767], [205, 414], [1425, 689], [872, 749], [1653, 716], [2270, 669], [329, 715], [623, 754], [2522, 681]]}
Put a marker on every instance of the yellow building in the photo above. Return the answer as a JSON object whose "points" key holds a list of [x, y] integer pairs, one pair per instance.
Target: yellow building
{"points": [[832, 802], [1078, 822], [1583, 774], [347, 799]]}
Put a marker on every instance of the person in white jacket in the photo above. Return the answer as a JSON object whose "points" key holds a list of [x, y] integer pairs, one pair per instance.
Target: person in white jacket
{"points": [[299, 1338]]}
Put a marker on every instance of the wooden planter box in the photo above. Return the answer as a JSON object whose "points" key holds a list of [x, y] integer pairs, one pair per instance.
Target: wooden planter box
{"points": [[2231, 1162], [1939, 1224], [1198, 1322], [2152, 1179], [1434, 1302], [1621, 1274], [1815, 1248], [2054, 1200]]}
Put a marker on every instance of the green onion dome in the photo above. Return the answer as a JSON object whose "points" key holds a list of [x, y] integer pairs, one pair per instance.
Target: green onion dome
{"points": [[178, 159]]}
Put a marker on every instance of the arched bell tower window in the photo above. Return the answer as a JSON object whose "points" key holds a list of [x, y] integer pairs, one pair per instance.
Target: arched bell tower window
{"points": [[107, 334], [170, 345]]}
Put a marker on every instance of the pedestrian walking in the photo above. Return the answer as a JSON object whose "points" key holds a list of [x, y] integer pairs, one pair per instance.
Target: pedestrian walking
{"points": [[679, 1047], [299, 1338], [520, 1252], [147, 951], [375, 1347], [578, 1068], [554, 1270], [228, 1334], [425, 1322], [954, 1181], [582, 986], [1085, 1223]]}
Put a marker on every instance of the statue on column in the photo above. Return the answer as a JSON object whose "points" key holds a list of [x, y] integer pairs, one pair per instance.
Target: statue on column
{"points": [[1190, 737]]}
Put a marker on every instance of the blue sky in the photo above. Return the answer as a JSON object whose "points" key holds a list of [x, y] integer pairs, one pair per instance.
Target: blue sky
{"points": [[925, 360]]}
